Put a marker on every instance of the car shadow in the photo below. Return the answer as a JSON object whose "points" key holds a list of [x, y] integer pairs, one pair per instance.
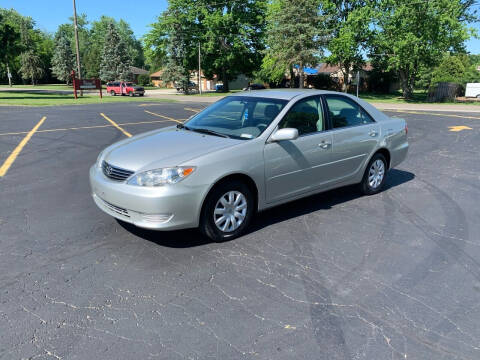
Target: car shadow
{"points": [[192, 237]]}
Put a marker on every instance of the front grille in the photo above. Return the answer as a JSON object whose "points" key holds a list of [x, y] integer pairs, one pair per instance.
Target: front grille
{"points": [[116, 209], [115, 173]]}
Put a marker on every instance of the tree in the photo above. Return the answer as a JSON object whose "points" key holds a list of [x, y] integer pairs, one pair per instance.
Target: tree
{"points": [[9, 38], [231, 33], [176, 23], [456, 68], [349, 26], [155, 45], [115, 59], [32, 66], [63, 60], [97, 32], [272, 70], [295, 34], [409, 35]]}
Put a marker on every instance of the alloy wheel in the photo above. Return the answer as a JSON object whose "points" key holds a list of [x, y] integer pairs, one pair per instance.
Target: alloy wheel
{"points": [[376, 174]]}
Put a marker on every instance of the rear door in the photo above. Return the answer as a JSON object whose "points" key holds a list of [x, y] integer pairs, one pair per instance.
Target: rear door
{"points": [[354, 133], [295, 167]]}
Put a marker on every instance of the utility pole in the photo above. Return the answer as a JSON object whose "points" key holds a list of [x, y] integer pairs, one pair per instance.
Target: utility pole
{"points": [[358, 81], [75, 26], [199, 69]]}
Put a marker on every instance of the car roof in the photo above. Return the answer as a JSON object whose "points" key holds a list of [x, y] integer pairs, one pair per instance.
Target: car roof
{"points": [[289, 94], [284, 94]]}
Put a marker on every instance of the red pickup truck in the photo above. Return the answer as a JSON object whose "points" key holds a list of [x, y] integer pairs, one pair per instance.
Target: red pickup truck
{"points": [[124, 88]]}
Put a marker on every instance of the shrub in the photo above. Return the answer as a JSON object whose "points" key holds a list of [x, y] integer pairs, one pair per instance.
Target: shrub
{"points": [[144, 79]]}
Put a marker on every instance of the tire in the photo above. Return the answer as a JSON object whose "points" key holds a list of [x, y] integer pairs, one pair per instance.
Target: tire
{"points": [[141, 94], [112, 93], [245, 208], [375, 175], [131, 94]]}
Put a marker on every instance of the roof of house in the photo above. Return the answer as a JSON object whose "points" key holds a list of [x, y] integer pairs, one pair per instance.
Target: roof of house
{"points": [[137, 71], [330, 69], [157, 73]]}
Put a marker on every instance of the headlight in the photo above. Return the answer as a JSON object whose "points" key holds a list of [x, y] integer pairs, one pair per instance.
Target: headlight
{"points": [[160, 177]]}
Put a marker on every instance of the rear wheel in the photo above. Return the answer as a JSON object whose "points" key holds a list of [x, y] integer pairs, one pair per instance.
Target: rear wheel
{"points": [[131, 93], [227, 212], [112, 93], [374, 176]]}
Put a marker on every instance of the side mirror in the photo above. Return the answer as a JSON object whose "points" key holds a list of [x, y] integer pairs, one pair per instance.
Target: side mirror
{"points": [[284, 134]]}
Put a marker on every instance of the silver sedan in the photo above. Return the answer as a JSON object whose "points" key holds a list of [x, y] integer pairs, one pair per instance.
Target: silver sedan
{"points": [[243, 154]]}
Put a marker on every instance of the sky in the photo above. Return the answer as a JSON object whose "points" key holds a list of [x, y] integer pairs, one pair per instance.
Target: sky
{"points": [[48, 14]]}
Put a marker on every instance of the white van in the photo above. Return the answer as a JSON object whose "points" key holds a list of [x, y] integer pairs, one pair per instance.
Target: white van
{"points": [[472, 90]]}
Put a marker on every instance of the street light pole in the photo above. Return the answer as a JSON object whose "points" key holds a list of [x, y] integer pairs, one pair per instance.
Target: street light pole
{"points": [[199, 69], [75, 26]]}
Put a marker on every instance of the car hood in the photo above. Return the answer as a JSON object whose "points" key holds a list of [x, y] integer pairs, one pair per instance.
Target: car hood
{"points": [[163, 148]]}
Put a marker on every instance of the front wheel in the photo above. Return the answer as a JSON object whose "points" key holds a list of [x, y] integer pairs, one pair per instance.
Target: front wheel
{"points": [[374, 176], [227, 212], [131, 94], [112, 93]]}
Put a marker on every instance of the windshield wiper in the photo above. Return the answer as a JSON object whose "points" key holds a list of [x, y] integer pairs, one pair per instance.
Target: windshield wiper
{"points": [[209, 132]]}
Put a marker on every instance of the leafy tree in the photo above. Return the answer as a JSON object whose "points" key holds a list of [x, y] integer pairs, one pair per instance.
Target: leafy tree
{"points": [[10, 49], [176, 23], [295, 34], [229, 32], [232, 37], [63, 60], [272, 70], [115, 58], [30, 49], [410, 35], [349, 26], [455, 68], [155, 45], [32, 66]]}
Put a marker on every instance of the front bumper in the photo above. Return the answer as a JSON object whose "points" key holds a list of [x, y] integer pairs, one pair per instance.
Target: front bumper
{"points": [[169, 207]]}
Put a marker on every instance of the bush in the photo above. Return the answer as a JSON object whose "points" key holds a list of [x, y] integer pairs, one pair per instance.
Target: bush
{"points": [[144, 80]]}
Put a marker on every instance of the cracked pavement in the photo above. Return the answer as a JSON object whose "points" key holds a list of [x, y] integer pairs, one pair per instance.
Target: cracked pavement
{"points": [[333, 276]]}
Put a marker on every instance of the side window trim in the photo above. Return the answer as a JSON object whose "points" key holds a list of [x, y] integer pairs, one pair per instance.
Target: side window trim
{"points": [[318, 97], [347, 99]]}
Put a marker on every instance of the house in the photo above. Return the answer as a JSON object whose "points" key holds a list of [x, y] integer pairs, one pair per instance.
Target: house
{"points": [[156, 80], [137, 72], [335, 72]]}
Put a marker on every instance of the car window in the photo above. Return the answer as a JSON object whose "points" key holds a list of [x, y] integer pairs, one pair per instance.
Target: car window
{"points": [[243, 117], [345, 112], [306, 116]]}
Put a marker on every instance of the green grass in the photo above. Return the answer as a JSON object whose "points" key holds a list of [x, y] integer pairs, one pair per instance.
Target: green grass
{"points": [[46, 99], [40, 87], [57, 87], [419, 97]]}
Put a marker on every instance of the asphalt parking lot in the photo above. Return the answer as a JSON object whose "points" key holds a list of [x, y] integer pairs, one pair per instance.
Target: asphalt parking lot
{"points": [[333, 276]]}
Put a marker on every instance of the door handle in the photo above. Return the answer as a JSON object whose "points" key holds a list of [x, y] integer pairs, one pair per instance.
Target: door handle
{"points": [[373, 133], [325, 144]]}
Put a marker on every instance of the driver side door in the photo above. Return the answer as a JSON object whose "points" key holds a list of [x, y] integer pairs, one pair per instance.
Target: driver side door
{"points": [[298, 166]]}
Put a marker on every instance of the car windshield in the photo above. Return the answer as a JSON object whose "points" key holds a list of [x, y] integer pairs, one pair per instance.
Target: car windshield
{"points": [[240, 117], [130, 84]]}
